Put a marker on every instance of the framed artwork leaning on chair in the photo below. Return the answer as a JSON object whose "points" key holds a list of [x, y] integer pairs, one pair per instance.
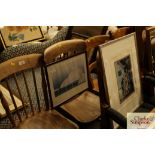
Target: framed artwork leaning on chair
{"points": [[119, 76], [68, 82]]}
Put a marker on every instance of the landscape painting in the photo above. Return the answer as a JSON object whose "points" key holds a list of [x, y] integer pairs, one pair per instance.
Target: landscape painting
{"points": [[68, 78], [13, 35], [124, 77]]}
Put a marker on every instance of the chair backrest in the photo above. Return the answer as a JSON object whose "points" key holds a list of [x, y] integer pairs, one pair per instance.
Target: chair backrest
{"points": [[66, 70], [93, 42], [120, 32], [119, 80], [87, 31], [20, 87], [149, 45]]}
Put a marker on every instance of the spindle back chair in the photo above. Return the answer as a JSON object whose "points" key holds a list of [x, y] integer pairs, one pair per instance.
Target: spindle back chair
{"points": [[77, 102], [23, 95]]}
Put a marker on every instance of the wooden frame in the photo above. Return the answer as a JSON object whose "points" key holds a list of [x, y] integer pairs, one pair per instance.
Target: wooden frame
{"points": [[64, 89], [13, 35], [119, 67]]}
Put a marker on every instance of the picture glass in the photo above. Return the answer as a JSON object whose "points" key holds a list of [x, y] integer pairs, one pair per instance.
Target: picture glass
{"points": [[67, 78], [124, 77]]}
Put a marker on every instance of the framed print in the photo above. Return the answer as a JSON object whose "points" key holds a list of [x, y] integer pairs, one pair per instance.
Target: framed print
{"points": [[67, 78], [13, 35], [121, 74]]}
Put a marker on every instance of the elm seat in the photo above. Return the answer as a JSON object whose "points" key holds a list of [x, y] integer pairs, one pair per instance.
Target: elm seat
{"points": [[31, 110], [47, 120], [84, 108]]}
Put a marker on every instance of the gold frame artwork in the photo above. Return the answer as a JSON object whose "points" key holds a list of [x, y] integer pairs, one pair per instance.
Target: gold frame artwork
{"points": [[14, 35]]}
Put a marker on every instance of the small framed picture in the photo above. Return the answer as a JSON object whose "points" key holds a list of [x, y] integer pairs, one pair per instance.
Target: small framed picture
{"points": [[67, 78], [119, 65], [13, 35]]}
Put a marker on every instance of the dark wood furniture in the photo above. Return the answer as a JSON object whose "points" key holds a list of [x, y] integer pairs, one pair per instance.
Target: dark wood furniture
{"points": [[92, 44], [24, 77], [83, 107], [120, 32], [84, 32], [110, 111]]}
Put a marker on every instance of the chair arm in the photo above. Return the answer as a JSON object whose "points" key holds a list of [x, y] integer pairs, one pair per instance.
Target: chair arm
{"points": [[149, 78], [117, 117]]}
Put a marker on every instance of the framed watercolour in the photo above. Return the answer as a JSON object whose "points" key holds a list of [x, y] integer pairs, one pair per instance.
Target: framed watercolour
{"points": [[13, 35], [120, 73], [67, 78]]}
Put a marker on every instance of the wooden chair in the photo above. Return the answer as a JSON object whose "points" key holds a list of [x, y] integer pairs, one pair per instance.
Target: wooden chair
{"points": [[119, 81], [76, 101], [149, 40], [120, 32], [92, 44], [84, 32], [24, 98]]}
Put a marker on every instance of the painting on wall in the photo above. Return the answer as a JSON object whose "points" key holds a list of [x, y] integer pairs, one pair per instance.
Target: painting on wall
{"points": [[13, 35]]}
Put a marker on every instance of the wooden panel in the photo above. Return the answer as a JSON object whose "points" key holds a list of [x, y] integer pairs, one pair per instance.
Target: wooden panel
{"points": [[84, 108]]}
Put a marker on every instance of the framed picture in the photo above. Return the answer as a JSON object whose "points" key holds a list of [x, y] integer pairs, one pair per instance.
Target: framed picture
{"points": [[13, 35], [7, 96], [67, 78], [121, 74]]}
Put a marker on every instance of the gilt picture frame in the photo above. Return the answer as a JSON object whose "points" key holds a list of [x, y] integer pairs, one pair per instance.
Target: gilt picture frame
{"points": [[120, 74], [67, 78], [14, 35]]}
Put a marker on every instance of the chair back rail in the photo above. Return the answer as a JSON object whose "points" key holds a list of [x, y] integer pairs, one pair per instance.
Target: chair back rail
{"points": [[18, 64], [65, 47]]}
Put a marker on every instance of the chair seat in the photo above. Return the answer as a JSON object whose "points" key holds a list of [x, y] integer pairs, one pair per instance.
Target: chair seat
{"points": [[47, 120], [84, 108]]}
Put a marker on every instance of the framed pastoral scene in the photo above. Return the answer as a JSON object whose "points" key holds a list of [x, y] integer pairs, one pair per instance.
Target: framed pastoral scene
{"points": [[13, 35], [67, 78], [121, 74]]}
